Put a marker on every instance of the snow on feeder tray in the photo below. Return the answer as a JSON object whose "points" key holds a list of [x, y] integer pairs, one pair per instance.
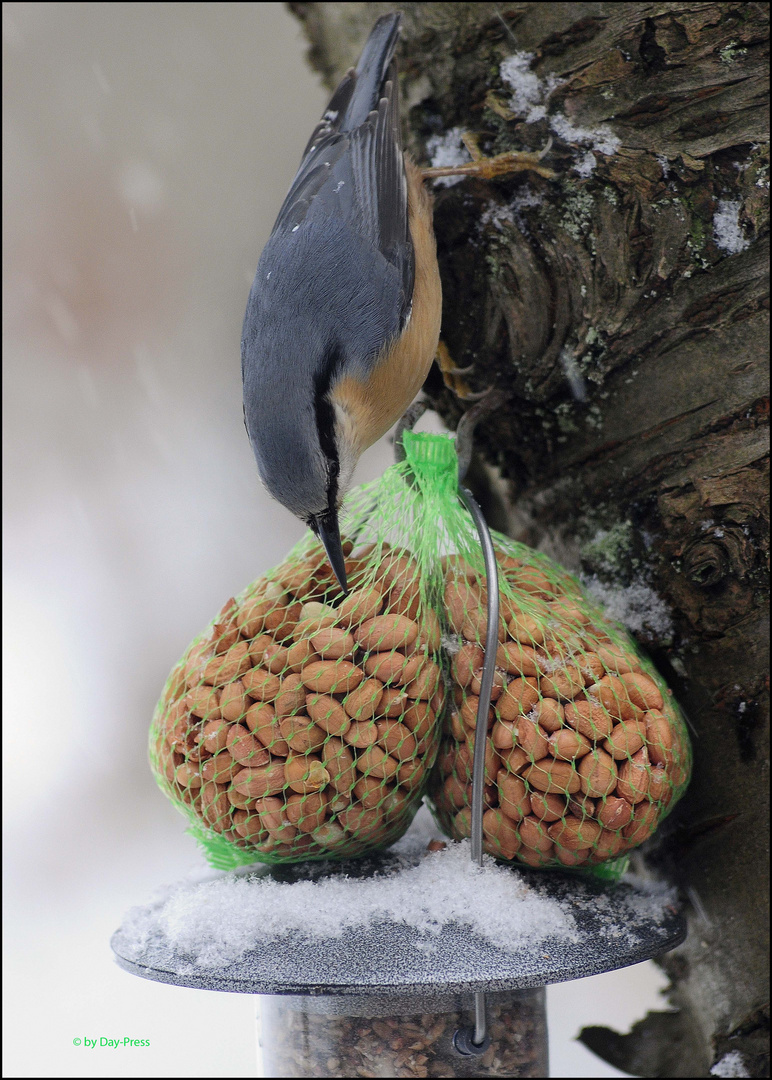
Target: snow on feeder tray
{"points": [[418, 961], [372, 965]]}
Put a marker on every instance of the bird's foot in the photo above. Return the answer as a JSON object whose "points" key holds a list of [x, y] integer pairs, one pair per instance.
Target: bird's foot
{"points": [[488, 168], [452, 376]]}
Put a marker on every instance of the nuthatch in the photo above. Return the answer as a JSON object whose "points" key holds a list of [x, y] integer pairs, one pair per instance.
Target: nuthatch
{"points": [[343, 318]]}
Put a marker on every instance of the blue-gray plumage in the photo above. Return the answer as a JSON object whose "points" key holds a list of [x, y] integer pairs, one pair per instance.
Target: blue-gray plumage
{"points": [[333, 349]]}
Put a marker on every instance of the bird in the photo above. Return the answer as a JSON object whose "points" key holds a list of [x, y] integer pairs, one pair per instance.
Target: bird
{"points": [[343, 318]]}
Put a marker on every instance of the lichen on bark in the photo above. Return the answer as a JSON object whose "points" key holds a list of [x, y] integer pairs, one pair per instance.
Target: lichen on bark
{"points": [[622, 306]]}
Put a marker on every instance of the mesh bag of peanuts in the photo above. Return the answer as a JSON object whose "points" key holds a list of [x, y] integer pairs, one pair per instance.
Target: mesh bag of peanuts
{"points": [[587, 751], [301, 724]]}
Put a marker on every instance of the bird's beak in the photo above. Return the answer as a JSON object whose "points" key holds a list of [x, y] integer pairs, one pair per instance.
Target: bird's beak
{"points": [[326, 528]]}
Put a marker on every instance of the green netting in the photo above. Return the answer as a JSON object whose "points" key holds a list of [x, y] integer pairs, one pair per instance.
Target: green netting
{"points": [[300, 725], [587, 751]]}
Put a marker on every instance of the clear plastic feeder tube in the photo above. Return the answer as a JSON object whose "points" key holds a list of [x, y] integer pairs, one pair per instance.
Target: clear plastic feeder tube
{"points": [[396, 1036]]}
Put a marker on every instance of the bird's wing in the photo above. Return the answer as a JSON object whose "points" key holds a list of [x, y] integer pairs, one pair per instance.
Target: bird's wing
{"points": [[355, 177]]}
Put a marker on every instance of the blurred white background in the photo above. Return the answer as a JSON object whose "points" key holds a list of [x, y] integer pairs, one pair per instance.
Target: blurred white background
{"points": [[147, 149]]}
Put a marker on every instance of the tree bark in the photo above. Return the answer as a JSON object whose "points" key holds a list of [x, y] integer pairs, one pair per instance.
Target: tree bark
{"points": [[623, 308]]}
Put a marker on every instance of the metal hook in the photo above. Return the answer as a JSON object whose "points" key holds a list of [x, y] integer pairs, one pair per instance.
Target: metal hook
{"points": [[465, 428], [407, 422], [464, 1041]]}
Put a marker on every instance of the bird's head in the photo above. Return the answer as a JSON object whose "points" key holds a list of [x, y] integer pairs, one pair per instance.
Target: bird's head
{"points": [[306, 453]]}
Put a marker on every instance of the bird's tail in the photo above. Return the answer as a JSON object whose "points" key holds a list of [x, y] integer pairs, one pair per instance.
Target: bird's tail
{"points": [[372, 71]]}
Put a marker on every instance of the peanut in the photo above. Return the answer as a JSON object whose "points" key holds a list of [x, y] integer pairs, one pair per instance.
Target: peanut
{"points": [[224, 633], [425, 684], [535, 834], [225, 666], [234, 701], [589, 718], [614, 813], [392, 667], [515, 759], [643, 824], [518, 659], [547, 807], [571, 858], [359, 606], [500, 834], [524, 628], [221, 768], [363, 702], [328, 714], [634, 778], [187, 775], [419, 717], [625, 739], [519, 697], [513, 795], [264, 780], [548, 714], [597, 774], [301, 734], [260, 684], [245, 748], [215, 807], [643, 690], [616, 660], [291, 697], [531, 857], [204, 701], [274, 658], [455, 792], [564, 683], [613, 694], [261, 721], [553, 776], [299, 655], [361, 735], [607, 846], [531, 738], [331, 676], [499, 683], [591, 666], [660, 787], [527, 579], [567, 745], [214, 736], [386, 632], [358, 819], [309, 811], [375, 761], [574, 833], [411, 773], [305, 773], [394, 702], [332, 643], [460, 597], [659, 737], [330, 835], [503, 734], [339, 763], [396, 739], [462, 824]]}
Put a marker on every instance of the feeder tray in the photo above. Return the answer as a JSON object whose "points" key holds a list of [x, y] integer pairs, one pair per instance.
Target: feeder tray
{"points": [[391, 958]]}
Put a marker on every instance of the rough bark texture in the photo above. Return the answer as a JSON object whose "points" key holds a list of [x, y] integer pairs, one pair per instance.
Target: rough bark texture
{"points": [[623, 307]]}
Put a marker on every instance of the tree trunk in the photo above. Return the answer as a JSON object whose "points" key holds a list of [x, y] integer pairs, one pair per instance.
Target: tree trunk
{"points": [[622, 306]]}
